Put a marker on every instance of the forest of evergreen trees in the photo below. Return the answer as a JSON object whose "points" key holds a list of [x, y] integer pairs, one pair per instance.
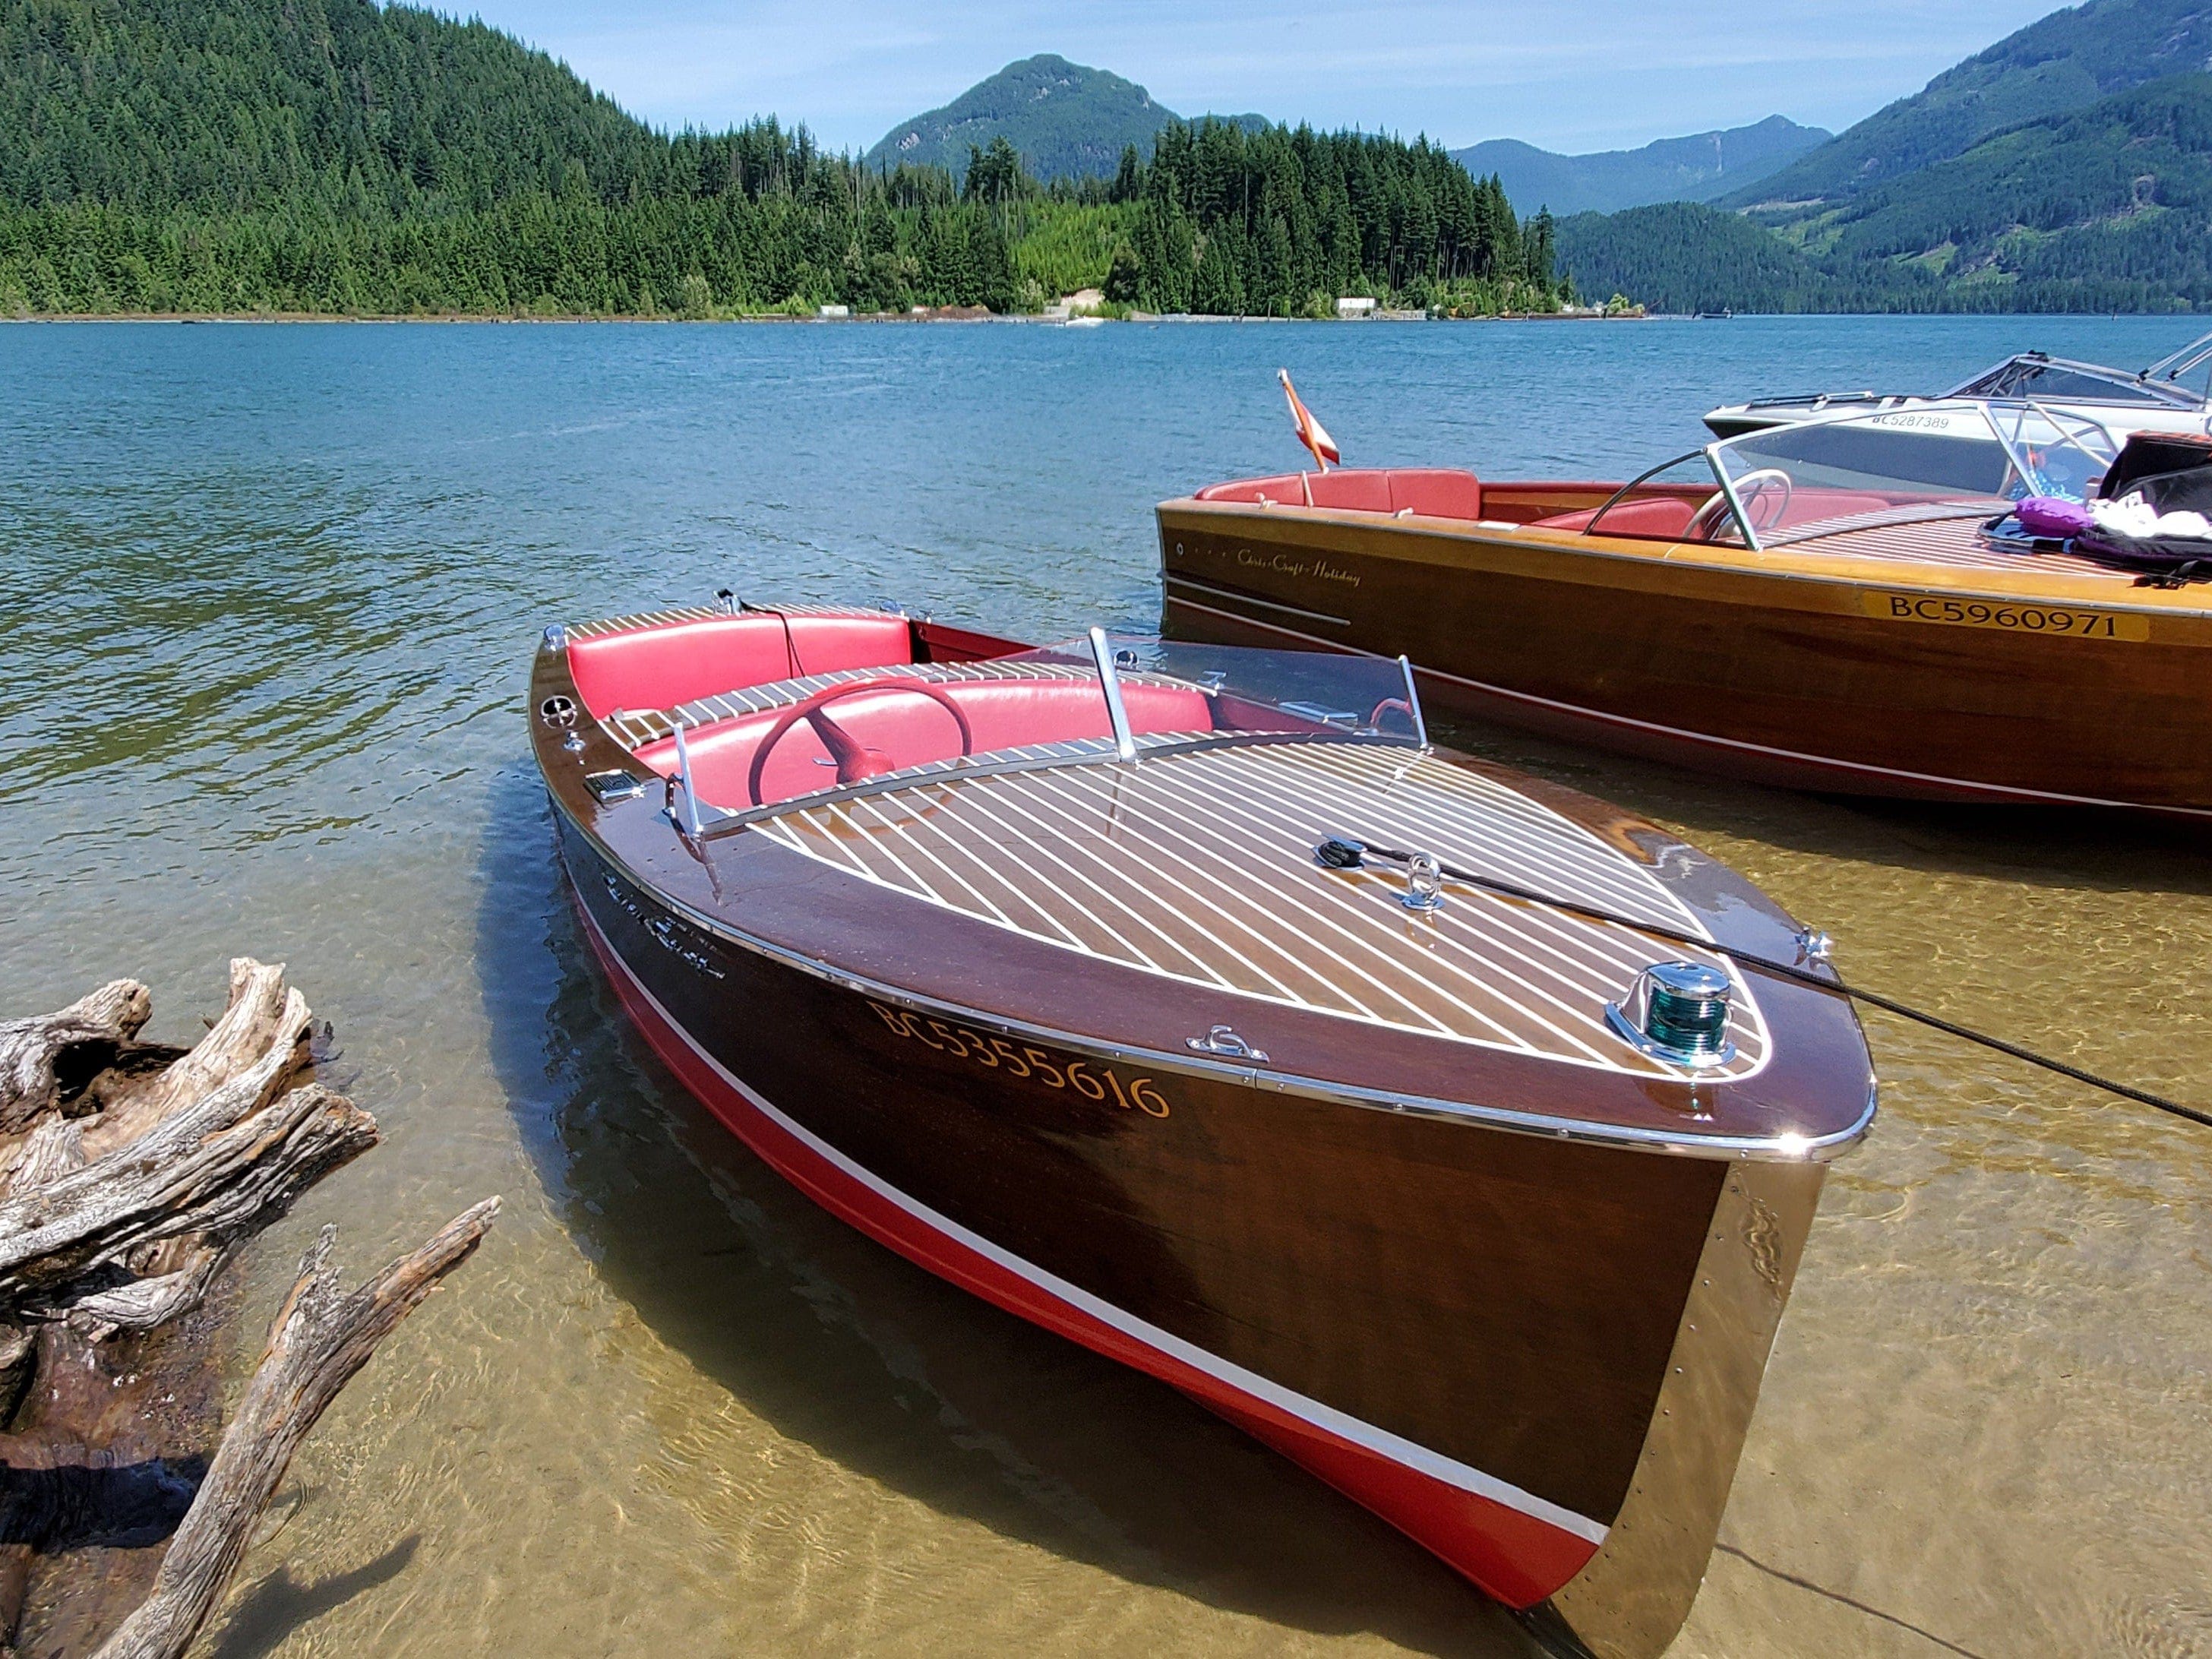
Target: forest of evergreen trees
{"points": [[337, 156], [1279, 223]]}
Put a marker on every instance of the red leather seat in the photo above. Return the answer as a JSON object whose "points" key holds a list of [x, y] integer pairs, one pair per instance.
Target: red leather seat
{"points": [[1432, 491], [1361, 489], [1436, 492], [911, 730], [1665, 517], [1662, 516], [661, 666], [1286, 489]]}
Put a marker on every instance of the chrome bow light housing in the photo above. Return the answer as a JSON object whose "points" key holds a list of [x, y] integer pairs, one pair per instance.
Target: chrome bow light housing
{"points": [[1677, 1012]]}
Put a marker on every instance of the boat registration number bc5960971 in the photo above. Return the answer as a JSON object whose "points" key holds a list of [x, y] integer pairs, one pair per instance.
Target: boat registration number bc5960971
{"points": [[1085, 1078], [2056, 620]]}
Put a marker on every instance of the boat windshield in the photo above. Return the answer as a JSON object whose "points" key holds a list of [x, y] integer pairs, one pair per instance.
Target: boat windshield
{"points": [[1318, 692], [1100, 698], [1934, 460], [2047, 379]]}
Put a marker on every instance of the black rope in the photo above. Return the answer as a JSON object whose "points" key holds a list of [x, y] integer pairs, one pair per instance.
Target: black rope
{"points": [[1344, 853]]}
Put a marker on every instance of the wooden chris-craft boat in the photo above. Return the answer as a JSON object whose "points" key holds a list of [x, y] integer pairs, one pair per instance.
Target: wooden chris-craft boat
{"points": [[1839, 605], [1024, 963]]}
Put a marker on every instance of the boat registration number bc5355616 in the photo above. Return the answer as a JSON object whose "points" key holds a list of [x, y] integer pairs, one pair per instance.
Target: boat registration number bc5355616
{"points": [[2056, 620], [1085, 1078]]}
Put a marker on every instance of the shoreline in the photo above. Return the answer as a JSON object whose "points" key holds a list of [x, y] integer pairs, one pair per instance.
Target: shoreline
{"points": [[1030, 318]]}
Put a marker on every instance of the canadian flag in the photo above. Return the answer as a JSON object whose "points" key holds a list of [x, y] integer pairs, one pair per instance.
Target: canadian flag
{"points": [[1311, 433]]}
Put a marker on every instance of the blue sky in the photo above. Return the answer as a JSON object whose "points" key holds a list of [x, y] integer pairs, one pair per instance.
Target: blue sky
{"points": [[1597, 75]]}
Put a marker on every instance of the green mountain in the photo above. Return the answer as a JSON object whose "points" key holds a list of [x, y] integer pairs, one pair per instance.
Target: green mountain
{"points": [[2106, 209], [1692, 169], [1067, 122], [1686, 256], [245, 104], [344, 156], [2062, 63]]}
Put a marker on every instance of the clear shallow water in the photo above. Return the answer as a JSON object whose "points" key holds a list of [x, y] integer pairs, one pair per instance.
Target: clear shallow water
{"points": [[270, 593]]}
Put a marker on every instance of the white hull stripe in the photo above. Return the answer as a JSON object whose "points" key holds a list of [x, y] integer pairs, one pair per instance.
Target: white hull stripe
{"points": [[1327, 1419]]}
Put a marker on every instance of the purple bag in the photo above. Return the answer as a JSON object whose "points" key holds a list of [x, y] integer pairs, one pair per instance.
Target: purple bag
{"points": [[2053, 516]]}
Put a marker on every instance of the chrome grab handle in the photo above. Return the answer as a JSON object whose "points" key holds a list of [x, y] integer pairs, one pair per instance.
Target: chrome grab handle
{"points": [[1224, 1041]]}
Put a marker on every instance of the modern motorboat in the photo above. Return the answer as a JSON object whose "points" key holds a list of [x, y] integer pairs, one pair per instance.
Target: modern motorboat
{"points": [[2122, 401], [1153, 992], [1842, 604]]}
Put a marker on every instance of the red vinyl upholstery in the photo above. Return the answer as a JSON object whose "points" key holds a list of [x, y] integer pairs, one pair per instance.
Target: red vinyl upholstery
{"points": [[911, 730], [1361, 489], [1433, 492], [662, 666], [1662, 516], [1436, 492], [1665, 517]]}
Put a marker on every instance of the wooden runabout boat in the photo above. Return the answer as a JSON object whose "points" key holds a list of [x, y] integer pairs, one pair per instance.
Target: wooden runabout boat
{"points": [[1145, 991], [1844, 604]]}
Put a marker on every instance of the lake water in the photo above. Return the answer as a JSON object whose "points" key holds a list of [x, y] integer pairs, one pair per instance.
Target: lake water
{"points": [[269, 597]]}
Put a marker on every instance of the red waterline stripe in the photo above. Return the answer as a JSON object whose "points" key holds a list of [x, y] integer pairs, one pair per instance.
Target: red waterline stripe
{"points": [[1516, 1556]]}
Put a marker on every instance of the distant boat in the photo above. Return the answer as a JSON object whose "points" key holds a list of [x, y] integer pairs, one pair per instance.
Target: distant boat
{"points": [[1144, 990], [1835, 605], [2121, 401]]}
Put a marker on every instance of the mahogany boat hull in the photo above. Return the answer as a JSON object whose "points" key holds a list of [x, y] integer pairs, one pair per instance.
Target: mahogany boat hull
{"points": [[1857, 679], [1482, 1336], [1515, 1299]]}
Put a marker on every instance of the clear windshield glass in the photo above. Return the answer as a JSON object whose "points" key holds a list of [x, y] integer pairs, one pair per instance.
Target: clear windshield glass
{"points": [[891, 727], [2047, 380], [1934, 460], [1254, 690]]}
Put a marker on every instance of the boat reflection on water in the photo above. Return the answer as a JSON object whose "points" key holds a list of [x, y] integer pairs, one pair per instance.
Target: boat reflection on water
{"points": [[1077, 976]]}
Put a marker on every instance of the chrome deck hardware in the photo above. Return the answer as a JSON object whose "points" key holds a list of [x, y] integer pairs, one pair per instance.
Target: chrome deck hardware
{"points": [[607, 786], [690, 821], [1424, 883], [1813, 945], [1224, 1041], [1109, 681], [560, 712], [1677, 1012]]}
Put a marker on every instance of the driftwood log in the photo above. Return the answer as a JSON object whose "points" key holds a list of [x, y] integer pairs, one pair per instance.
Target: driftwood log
{"points": [[130, 1173]]}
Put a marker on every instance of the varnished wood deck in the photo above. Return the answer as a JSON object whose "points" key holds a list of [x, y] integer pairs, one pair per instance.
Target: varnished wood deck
{"points": [[1198, 867]]}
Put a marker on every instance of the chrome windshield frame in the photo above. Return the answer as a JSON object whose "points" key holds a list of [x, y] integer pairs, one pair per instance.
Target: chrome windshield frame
{"points": [[2015, 443], [940, 772], [1735, 504], [2156, 386], [2002, 419], [1720, 477]]}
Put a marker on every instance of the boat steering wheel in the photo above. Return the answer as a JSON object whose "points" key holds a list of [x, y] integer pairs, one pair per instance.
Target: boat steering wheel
{"points": [[1751, 489], [856, 762]]}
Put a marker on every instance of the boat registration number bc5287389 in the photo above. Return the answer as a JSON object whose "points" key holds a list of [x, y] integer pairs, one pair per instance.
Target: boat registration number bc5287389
{"points": [[1089, 1079], [2056, 620]]}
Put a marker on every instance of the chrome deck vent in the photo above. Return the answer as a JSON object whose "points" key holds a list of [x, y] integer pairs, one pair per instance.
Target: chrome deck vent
{"points": [[1676, 1011]]}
